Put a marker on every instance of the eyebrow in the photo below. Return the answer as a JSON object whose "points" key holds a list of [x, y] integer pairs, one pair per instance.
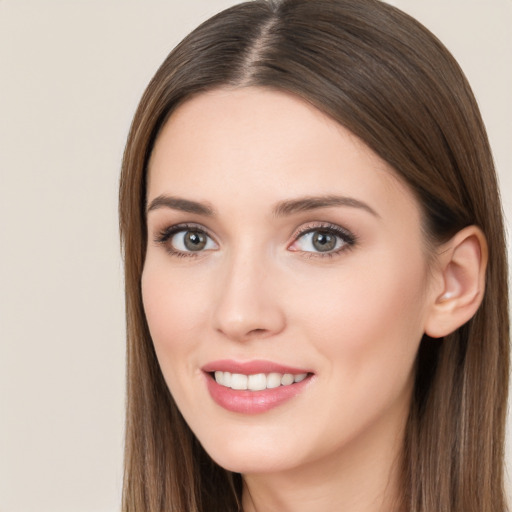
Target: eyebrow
{"points": [[281, 209], [184, 205], [302, 204]]}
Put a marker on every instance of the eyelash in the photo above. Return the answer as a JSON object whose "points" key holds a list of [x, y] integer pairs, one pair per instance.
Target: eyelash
{"points": [[166, 234], [348, 239]]}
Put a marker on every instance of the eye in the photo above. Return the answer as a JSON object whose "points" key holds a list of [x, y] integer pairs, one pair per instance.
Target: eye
{"points": [[183, 241], [323, 239], [191, 241]]}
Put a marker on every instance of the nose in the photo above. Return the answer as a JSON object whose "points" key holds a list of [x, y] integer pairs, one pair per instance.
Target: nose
{"points": [[248, 305]]}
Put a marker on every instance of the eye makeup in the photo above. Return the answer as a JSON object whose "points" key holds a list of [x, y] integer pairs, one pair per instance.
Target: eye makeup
{"points": [[314, 239], [198, 237], [321, 236]]}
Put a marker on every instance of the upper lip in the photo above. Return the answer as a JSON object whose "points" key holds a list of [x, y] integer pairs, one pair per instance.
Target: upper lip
{"points": [[251, 367]]}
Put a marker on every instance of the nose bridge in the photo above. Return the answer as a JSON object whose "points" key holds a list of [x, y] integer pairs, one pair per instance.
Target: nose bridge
{"points": [[248, 305]]}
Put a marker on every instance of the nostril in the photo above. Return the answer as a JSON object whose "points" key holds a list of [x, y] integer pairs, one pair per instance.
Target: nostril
{"points": [[257, 331]]}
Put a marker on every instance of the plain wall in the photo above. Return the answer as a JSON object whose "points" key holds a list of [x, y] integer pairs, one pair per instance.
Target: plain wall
{"points": [[71, 74]]}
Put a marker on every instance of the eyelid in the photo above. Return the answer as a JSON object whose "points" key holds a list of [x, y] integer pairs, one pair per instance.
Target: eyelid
{"points": [[321, 225], [168, 231]]}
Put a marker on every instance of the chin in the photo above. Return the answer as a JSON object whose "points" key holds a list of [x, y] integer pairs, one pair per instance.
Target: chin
{"points": [[252, 463], [250, 453]]}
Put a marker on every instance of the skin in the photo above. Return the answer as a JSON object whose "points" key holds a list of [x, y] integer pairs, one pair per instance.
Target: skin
{"points": [[258, 290]]}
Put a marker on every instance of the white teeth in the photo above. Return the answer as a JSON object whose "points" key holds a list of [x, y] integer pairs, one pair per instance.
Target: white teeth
{"points": [[273, 380], [238, 381], [287, 379], [258, 381]]}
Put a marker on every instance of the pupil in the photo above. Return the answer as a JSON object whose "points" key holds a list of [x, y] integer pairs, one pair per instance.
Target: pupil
{"points": [[194, 241], [324, 241]]}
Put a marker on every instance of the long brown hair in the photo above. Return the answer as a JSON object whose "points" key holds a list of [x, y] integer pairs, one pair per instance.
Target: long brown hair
{"points": [[386, 78]]}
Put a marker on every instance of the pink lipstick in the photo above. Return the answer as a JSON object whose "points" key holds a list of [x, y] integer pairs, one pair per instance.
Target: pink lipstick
{"points": [[255, 386]]}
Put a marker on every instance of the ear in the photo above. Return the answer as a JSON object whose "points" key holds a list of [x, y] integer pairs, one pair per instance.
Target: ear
{"points": [[460, 283]]}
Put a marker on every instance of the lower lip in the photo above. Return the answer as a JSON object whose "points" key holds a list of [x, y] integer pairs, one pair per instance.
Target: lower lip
{"points": [[253, 402]]}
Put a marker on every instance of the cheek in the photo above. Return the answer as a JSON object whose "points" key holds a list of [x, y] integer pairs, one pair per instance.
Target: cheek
{"points": [[368, 337], [175, 309], [368, 319]]}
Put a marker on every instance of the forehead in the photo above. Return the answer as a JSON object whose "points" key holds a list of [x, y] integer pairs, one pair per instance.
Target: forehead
{"points": [[252, 144]]}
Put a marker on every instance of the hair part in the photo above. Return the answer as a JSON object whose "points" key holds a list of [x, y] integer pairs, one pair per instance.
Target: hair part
{"points": [[387, 79]]}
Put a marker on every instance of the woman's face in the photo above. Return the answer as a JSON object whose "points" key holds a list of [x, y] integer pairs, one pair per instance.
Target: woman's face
{"points": [[281, 249]]}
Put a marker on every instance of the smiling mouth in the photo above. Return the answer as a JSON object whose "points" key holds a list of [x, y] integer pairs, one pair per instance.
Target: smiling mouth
{"points": [[257, 381], [254, 387]]}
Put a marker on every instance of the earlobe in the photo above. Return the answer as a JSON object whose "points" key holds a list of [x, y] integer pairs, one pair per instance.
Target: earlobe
{"points": [[462, 263]]}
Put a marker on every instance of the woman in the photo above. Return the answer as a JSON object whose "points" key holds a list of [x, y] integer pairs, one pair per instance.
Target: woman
{"points": [[315, 271]]}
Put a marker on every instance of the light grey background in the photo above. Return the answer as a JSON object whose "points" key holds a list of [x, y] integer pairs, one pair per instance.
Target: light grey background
{"points": [[71, 74]]}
